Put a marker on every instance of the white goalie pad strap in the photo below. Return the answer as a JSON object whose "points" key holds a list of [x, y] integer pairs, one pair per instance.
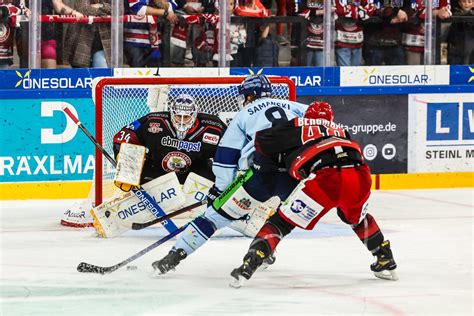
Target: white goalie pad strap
{"points": [[78, 214], [300, 208], [130, 162], [251, 225], [195, 189], [116, 216]]}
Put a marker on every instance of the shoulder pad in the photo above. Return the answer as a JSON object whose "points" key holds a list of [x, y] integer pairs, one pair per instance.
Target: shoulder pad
{"points": [[212, 120], [162, 114]]}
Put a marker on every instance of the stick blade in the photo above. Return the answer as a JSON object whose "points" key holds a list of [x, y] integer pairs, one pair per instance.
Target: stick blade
{"points": [[84, 267]]}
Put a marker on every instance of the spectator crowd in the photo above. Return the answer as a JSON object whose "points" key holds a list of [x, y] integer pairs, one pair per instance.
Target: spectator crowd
{"points": [[364, 32]]}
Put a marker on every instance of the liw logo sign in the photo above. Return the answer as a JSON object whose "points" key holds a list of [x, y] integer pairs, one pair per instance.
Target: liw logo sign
{"points": [[450, 121]]}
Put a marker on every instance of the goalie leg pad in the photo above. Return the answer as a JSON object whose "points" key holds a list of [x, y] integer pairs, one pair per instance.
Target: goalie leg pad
{"points": [[251, 224], [200, 230], [195, 189], [116, 216]]}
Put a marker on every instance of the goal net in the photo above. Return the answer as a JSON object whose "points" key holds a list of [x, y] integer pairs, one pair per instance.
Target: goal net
{"points": [[120, 101]]}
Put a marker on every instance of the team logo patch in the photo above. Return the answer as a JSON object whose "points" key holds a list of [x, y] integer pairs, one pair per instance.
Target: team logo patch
{"points": [[154, 128], [176, 161], [4, 32], [243, 203], [210, 138], [299, 206]]}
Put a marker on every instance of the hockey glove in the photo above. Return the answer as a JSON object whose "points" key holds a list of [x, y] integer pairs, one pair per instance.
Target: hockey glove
{"points": [[212, 195]]}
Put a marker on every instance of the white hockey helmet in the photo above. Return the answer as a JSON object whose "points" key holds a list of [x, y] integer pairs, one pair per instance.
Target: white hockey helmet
{"points": [[183, 114]]}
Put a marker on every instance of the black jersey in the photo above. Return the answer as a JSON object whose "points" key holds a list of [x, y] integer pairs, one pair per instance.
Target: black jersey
{"points": [[165, 152], [305, 145]]}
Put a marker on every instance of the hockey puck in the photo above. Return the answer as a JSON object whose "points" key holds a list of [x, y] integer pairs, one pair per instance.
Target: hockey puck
{"points": [[131, 267]]}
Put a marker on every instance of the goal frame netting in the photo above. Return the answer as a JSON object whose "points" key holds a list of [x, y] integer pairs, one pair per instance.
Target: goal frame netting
{"points": [[104, 82]]}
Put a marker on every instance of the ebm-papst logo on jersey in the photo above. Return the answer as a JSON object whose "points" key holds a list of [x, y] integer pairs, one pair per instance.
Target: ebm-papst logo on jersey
{"points": [[154, 128], [180, 144], [210, 138]]}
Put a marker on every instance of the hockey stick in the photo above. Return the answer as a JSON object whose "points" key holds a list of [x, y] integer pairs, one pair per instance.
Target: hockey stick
{"points": [[138, 226], [142, 195], [84, 267]]}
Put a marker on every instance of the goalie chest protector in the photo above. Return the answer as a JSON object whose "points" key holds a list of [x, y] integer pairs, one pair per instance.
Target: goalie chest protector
{"points": [[166, 153]]}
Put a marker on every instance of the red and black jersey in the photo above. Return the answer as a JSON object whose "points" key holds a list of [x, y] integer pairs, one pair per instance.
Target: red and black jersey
{"points": [[306, 145], [165, 152]]}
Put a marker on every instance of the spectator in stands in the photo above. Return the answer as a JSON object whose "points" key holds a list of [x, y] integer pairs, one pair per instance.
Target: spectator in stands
{"points": [[8, 18], [205, 37], [186, 30], [413, 32], [142, 40], [281, 11], [461, 35], [383, 36], [349, 34], [48, 30], [256, 40], [267, 50], [313, 11], [89, 45], [238, 37]]}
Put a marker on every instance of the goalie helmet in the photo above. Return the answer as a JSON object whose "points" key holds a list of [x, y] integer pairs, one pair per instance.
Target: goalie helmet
{"points": [[319, 110], [183, 114], [257, 86]]}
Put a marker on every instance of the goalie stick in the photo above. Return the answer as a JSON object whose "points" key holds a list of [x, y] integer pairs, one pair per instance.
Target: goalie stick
{"points": [[138, 226], [139, 192], [85, 267]]}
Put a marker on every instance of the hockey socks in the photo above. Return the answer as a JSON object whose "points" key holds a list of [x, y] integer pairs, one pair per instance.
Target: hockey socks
{"points": [[369, 233], [195, 235]]}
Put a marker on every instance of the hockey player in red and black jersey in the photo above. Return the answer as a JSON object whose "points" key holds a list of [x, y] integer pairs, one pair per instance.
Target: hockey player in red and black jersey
{"points": [[333, 174], [180, 141]]}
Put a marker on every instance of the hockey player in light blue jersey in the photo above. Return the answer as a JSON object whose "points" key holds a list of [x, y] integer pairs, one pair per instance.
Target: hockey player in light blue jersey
{"points": [[233, 197]]}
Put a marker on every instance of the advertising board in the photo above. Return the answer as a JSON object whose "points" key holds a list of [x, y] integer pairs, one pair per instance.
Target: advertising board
{"points": [[441, 132]]}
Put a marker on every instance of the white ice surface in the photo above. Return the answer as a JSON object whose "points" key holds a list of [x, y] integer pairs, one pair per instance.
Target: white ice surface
{"points": [[322, 272]]}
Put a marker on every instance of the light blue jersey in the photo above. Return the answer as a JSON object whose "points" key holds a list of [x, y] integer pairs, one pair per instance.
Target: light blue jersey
{"points": [[236, 148]]}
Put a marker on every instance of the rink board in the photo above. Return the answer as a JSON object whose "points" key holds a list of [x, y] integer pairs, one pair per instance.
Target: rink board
{"points": [[80, 189], [413, 136]]}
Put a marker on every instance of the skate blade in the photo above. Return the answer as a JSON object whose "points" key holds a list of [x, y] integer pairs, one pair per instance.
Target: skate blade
{"points": [[263, 266], [237, 283], [155, 274], [387, 275]]}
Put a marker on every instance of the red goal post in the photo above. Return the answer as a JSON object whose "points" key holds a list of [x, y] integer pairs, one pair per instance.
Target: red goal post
{"points": [[119, 101]]}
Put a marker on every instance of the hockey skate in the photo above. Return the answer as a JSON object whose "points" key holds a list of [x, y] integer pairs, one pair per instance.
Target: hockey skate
{"points": [[169, 262], [252, 260], [268, 261], [384, 267]]}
